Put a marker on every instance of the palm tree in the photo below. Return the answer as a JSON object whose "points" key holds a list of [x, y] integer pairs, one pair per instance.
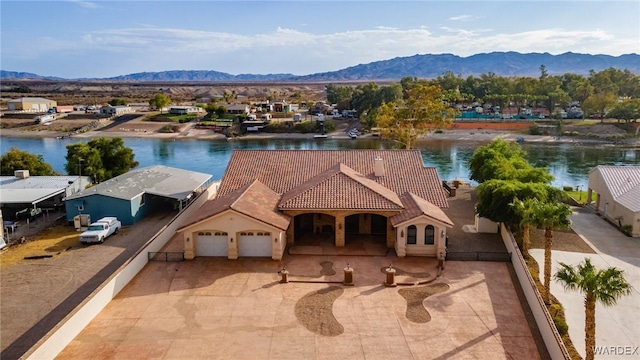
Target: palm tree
{"points": [[604, 286], [527, 211], [551, 216]]}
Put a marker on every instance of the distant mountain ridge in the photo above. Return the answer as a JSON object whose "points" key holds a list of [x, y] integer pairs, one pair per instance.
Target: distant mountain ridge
{"points": [[421, 66]]}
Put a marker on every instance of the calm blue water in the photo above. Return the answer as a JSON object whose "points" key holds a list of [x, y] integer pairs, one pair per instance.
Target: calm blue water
{"points": [[569, 163]]}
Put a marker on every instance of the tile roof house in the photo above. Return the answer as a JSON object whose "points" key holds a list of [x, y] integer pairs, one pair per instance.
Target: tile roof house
{"points": [[618, 194], [270, 198]]}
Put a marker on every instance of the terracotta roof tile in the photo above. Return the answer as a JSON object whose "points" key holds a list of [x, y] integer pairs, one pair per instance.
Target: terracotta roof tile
{"points": [[255, 200], [341, 187], [284, 170], [416, 206]]}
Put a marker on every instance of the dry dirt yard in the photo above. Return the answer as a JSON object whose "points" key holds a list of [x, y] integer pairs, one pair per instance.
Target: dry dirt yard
{"points": [[26, 122]]}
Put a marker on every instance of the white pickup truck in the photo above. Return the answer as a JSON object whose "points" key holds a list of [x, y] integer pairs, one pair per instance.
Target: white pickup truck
{"points": [[100, 230]]}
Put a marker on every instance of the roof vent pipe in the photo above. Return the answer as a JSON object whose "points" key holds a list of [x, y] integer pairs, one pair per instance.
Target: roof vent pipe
{"points": [[378, 166]]}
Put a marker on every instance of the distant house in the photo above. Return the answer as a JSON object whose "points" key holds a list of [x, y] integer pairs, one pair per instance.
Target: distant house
{"points": [[23, 196], [183, 110], [35, 104], [115, 110], [618, 194], [238, 109], [270, 198], [281, 106], [132, 196]]}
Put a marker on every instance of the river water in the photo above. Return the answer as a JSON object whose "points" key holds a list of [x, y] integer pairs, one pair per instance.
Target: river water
{"points": [[568, 163]]}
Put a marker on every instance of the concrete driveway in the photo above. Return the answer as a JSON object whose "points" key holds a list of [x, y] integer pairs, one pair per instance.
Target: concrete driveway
{"points": [[615, 326], [37, 294], [236, 309]]}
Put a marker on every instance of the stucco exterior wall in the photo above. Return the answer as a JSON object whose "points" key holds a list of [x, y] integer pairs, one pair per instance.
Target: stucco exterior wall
{"points": [[438, 249], [233, 224]]}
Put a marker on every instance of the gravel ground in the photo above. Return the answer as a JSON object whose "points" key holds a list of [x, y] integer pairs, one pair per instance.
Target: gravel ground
{"points": [[565, 240], [315, 311], [415, 297]]}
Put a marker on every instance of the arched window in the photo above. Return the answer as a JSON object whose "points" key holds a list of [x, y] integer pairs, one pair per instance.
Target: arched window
{"points": [[429, 233], [412, 233]]}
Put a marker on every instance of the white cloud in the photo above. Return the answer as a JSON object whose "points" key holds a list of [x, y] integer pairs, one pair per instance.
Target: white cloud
{"points": [[289, 50], [461, 18]]}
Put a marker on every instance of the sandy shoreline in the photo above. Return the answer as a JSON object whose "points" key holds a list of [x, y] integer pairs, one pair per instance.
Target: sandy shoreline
{"points": [[198, 134]]}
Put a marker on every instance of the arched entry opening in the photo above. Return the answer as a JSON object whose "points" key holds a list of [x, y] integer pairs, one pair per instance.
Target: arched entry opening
{"points": [[313, 227], [365, 228]]}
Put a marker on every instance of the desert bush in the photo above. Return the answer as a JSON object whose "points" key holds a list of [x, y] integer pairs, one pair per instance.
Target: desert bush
{"points": [[534, 129], [561, 325]]}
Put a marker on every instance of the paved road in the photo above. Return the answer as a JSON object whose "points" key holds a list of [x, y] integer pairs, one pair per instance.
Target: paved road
{"points": [[37, 295], [615, 326]]}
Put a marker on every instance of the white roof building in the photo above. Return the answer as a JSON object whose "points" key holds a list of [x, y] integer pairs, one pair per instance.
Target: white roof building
{"points": [[618, 195]]}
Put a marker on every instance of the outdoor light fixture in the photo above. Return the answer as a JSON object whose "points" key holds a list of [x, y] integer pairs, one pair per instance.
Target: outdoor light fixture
{"points": [[442, 233]]}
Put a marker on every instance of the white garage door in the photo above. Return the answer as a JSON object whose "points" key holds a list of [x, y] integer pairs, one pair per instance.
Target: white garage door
{"points": [[212, 244], [254, 244]]}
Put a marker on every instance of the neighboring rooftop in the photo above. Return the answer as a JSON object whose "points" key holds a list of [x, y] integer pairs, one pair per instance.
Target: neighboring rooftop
{"points": [[623, 183], [32, 189], [156, 180]]}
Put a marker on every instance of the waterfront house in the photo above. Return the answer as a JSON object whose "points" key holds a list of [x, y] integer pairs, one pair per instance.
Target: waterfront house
{"points": [[115, 110], [238, 109], [24, 196], [269, 199], [183, 110], [35, 104], [618, 195]]}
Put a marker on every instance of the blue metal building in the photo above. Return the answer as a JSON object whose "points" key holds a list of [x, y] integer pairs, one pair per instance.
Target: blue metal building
{"points": [[132, 196]]}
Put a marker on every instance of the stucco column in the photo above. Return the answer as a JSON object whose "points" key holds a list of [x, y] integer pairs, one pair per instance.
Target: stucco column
{"points": [[441, 247], [189, 247], [291, 233], [233, 246], [391, 235], [401, 245], [339, 229]]}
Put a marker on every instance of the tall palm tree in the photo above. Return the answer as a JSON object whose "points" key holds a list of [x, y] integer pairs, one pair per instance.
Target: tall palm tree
{"points": [[598, 285], [551, 216], [526, 209]]}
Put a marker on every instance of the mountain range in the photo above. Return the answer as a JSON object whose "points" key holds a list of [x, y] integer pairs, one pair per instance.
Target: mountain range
{"points": [[421, 66]]}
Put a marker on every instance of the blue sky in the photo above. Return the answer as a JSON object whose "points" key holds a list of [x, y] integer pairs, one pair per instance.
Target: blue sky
{"points": [[76, 39]]}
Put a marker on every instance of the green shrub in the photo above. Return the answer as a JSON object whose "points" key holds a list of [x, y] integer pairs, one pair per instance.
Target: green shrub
{"points": [[561, 325], [627, 229], [438, 131], [555, 310], [305, 127], [277, 127], [534, 129], [567, 188]]}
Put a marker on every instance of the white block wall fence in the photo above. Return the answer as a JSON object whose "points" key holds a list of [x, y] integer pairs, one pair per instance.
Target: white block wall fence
{"points": [[547, 327]]}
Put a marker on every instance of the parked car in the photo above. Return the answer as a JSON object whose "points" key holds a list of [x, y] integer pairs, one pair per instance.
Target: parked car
{"points": [[98, 231]]}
